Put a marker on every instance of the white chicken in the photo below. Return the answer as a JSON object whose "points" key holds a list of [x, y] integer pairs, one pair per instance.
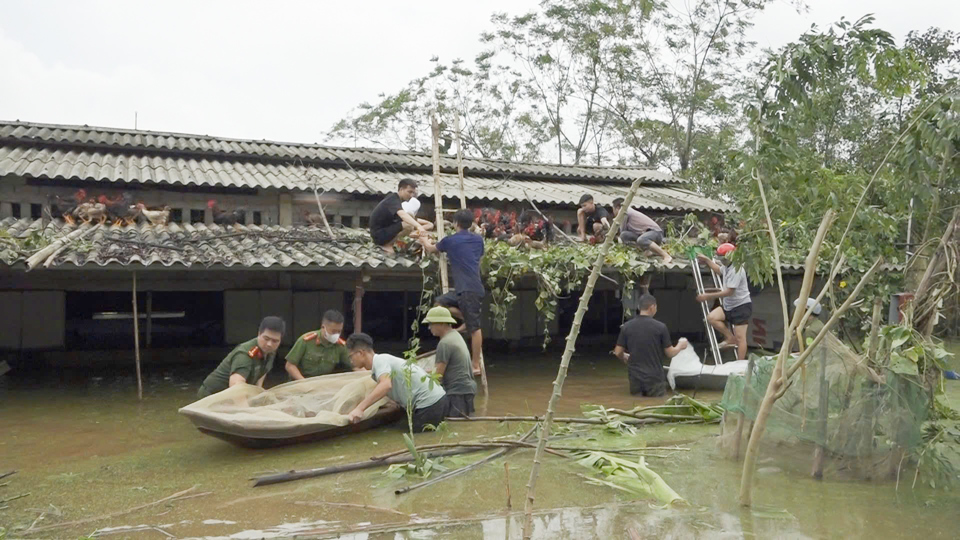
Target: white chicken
{"points": [[155, 217]]}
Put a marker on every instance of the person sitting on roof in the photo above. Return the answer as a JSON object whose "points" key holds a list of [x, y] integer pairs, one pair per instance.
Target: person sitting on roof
{"points": [[320, 352], [428, 399], [389, 221], [452, 362], [249, 362], [412, 207], [736, 306], [640, 229], [592, 220]]}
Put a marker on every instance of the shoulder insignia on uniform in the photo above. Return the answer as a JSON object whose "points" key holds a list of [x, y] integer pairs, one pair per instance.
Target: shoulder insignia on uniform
{"points": [[310, 336], [341, 341], [254, 352]]}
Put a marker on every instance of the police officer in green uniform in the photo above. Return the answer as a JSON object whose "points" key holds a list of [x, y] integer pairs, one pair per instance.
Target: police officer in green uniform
{"points": [[249, 362], [320, 352]]}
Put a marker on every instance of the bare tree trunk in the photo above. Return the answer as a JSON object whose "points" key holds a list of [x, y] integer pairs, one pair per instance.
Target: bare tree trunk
{"points": [[565, 360], [927, 296]]}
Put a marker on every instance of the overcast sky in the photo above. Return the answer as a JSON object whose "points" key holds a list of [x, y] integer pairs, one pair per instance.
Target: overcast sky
{"points": [[280, 70]]}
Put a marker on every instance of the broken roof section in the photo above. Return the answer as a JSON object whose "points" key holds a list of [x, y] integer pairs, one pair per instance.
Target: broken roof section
{"points": [[199, 245], [66, 152]]}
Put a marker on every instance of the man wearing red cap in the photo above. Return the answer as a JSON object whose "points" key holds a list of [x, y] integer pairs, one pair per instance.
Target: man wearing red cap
{"points": [[735, 304]]}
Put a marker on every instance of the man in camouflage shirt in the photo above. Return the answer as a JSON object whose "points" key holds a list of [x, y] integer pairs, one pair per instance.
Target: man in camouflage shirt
{"points": [[249, 362], [320, 352]]}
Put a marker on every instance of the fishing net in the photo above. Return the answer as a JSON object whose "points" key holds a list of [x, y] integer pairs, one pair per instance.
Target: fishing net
{"points": [[288, 410], [864, 423]]}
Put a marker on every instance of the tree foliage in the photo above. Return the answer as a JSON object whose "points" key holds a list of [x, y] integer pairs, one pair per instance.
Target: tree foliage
{"points": [[581, 81]]}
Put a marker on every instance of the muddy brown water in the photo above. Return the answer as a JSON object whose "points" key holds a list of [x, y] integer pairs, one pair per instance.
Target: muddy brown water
{"points": [[85, 447]]}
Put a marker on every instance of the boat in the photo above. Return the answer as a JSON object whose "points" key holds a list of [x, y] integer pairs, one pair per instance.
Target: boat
{"points": [[301, 411], [686, 372]]}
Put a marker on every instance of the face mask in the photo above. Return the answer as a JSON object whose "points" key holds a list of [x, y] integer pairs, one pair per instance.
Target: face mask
{"points": [[332, 338]]}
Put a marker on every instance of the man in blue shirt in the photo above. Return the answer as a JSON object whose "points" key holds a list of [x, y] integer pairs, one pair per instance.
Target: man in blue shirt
{"points": [[464, 250]]}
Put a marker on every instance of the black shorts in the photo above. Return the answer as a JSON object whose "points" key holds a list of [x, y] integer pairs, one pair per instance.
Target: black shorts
{"points": [[460, 405], [589, 223], [647, 388], [739, 315], [431, 415], [469, 303], [382, 236]]}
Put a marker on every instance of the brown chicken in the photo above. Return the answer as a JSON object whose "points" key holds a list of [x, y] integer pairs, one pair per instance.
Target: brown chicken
{"points": [[155, 217]]}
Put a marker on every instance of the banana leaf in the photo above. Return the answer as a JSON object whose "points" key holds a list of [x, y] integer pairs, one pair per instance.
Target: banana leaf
{"points": [[632, 477]]}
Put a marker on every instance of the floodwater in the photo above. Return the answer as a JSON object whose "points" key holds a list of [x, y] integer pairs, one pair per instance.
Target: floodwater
{"points": [[85, 447]]}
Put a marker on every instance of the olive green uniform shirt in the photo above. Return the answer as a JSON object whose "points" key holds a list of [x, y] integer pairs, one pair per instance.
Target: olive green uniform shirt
{"points": [[313, 355], [245, 359], [458, 375]]}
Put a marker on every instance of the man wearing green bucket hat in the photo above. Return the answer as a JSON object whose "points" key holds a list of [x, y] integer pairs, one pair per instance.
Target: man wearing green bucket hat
{"points": [[452, 362]]}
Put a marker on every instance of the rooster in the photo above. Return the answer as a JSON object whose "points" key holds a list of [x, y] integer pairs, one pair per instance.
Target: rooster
{"points": [[120, 210], [535, 231], [222, 217], [155, 217], [497, 224], [61, 207]]}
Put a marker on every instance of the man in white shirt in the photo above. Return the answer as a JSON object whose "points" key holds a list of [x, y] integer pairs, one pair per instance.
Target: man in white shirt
{"points": [[425, 395]]}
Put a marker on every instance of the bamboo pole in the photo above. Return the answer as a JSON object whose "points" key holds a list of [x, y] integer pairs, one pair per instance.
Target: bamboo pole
{"points": [[149, 332], [323, 214], [468, 468], [463, 196], [290, 476], [567, 355], [558, 420], [50, 252], [179, 496], [136, 338], [438, 197]]}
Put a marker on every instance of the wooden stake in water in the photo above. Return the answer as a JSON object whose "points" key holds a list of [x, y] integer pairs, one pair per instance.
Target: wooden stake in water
{"points": [[506, 476], [136, 339], [567, 355]]}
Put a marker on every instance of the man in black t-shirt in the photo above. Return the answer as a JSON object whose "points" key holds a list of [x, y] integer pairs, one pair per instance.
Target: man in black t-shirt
{"points": [[389, 221], [643, 345], [592, 220]]}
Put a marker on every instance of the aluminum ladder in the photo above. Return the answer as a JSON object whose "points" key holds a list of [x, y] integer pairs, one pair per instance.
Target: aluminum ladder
{"points": [[705, 307]]}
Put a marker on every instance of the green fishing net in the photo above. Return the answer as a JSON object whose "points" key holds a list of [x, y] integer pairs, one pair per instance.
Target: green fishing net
{"points": [[865, 423]]}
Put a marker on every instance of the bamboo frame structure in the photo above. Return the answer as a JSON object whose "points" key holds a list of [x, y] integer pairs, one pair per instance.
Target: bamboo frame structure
{"points": [[456, 127], [438, 197]]}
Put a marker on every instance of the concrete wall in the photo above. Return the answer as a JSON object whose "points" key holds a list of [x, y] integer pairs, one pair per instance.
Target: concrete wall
{"points": [[32, 319]]}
